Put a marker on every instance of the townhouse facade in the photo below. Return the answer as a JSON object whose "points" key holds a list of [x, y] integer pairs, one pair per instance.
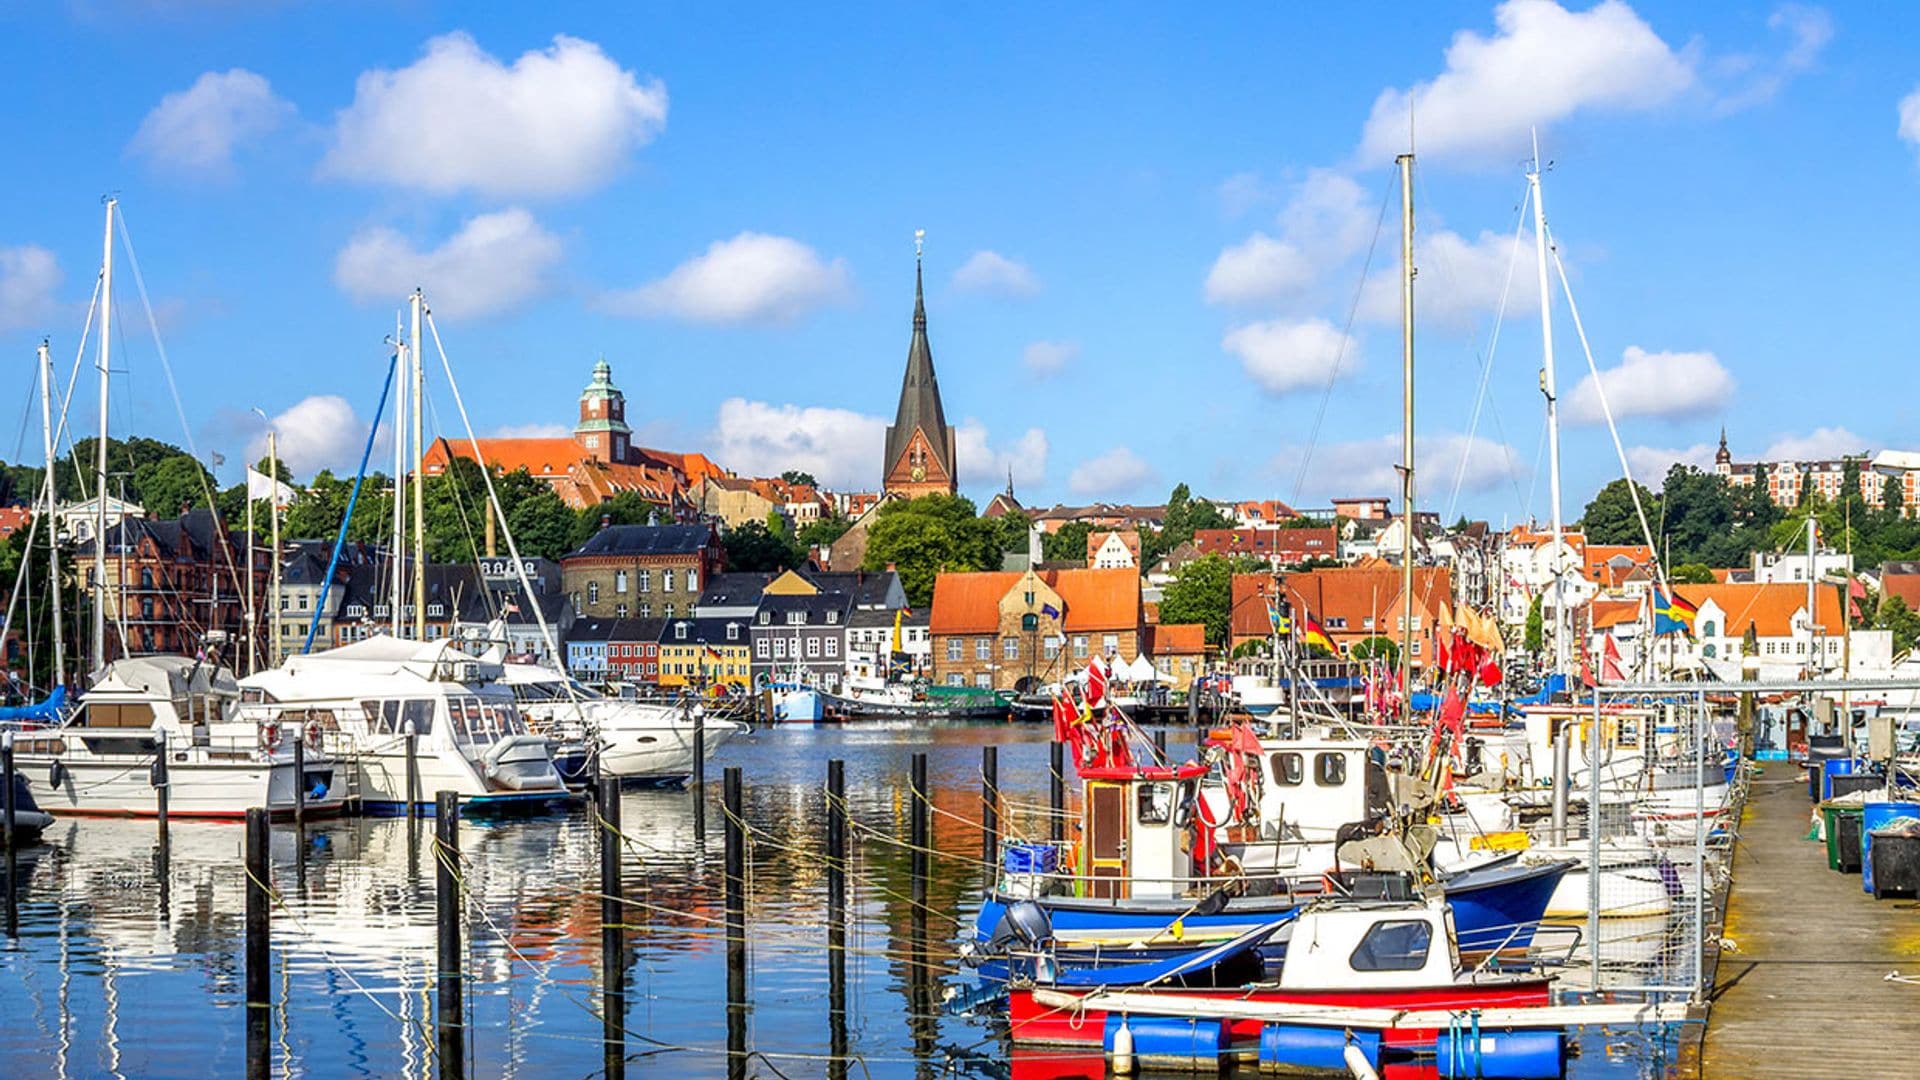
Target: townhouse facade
{"points": [[1006, 630], [642, 571]]}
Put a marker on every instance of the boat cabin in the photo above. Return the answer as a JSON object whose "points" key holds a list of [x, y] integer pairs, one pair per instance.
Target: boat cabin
{"points": [[1137, 832], [1371, 947], [1622, 741], [1310, 787]]}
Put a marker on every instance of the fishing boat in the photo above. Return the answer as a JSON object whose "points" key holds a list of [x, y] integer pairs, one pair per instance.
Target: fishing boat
{"points": [[367, 698], [797, 703], [900, 700], [630, 740], [164, 721]]}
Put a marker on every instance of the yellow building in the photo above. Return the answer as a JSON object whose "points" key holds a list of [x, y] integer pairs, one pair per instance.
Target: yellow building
{"points": [[702, 652]]}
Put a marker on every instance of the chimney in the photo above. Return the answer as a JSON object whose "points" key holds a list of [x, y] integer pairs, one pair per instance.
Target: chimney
{"points": [[491, 530]]}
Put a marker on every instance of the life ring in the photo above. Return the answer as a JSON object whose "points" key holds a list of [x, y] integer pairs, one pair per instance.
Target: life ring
{"points": [[270, 737], [313, 734]]}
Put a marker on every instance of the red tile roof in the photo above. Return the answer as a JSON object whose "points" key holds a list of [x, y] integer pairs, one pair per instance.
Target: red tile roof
{"points": [[1768, 607], [1177, 639], [1904, 586], [1610, 613], [1287, 545], [1095, 600], [1342, 599]]}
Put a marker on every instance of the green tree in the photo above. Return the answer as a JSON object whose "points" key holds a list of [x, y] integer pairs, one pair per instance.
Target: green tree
{"points": [[755, 548], [823, 532], [1697, 513], [1896, 616], [1610, 517], [930, 535], [1203, 593], [1068, 544], [1536, 636], [795, 476], [171, 485], [1893, 497], [1691, 574], [1385, 648]]}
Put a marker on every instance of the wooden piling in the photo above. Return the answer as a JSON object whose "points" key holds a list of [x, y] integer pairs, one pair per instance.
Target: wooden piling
{"points": [[258, 946], [837, 919], [989, 804], [413, 773], [613, 951], [160, 786], [736, 910], [1057, 792], [699, 782], [449, 1013], [8, 811], [917, 828]]}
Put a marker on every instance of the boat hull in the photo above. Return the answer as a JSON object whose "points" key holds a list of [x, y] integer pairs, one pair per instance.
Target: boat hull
{"points": [[205, 789]]}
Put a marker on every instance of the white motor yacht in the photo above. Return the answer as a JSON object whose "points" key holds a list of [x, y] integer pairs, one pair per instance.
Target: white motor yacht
{"points": [[104, 757], [640, 741], [365, 699]]}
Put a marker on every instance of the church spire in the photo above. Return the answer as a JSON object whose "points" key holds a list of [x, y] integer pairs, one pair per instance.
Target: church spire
{"points": [[920, 445], [919, 293]]}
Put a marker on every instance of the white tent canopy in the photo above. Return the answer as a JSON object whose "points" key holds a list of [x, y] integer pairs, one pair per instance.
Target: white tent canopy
{"points": [[1141, 670]]}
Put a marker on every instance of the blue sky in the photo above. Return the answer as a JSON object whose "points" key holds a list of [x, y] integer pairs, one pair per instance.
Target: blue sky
{"points": [[1145, 228]]}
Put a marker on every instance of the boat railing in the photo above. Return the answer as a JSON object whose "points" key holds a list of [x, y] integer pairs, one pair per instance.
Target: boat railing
{"points": [[1025, 873]]}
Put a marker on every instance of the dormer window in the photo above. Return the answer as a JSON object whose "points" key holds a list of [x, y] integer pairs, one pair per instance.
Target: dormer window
{"points": [[766, 617], [680, 631]]}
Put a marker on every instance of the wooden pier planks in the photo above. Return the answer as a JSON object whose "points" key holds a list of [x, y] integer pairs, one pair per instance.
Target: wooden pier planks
{"points": [[1803, 992]]}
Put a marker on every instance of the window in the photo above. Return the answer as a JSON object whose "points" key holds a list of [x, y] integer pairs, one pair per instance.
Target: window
{"points": [[1330, 769], [646, 611], [644, 579], [146, 577], [983, 648], [1415, 651], [1110, 644], [680, 632], [779, 648], [1051, 648], [956, 679], [619, 611], [833, 646], [1400, 945], [833, 618], [953, 649], [766, 617], [733, 631], [693, 579], [1708, 629], [666, 580], [619, 581], [1010, 648], [983, 681], [761, 649], [1288, 769], [1080, 646], [796, 618], [593, 592], [667, 611], [813, 648], [1153, 803], [1708, 651]]}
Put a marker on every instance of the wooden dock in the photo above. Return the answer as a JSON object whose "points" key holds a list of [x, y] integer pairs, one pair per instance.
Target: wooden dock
{"points": [[1802, 991]]}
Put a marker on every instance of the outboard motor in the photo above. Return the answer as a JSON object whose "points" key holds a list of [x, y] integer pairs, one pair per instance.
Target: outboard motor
{"points": [[1025, 924]]}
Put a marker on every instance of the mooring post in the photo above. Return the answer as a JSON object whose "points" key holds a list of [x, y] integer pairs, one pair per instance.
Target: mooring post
{"points": [[258, 945], [837, 919], [699, 770], [917, 828], [159, 779], [450, 1034], [1057, 792], [1160, 743], [299, 783], [989, 804], [613, 951], [736, 907], [7, 808], [413, 772]]}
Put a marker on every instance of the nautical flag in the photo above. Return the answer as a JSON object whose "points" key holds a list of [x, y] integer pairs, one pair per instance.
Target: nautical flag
{"points": [[1672, 612], [1096, 683], [713, 652], [1049, 611], [260, 486], [1610, 662], [1281, 624], [1312, 634]]}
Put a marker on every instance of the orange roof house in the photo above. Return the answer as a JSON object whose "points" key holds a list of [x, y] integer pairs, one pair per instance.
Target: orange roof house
{"points": [[1005, 629], [1725, 611], [1350, 603]]}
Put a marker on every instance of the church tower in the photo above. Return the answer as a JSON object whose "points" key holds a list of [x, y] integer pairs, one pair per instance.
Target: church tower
{"points": [[920, 445], [602, 431], [1723, 458]]}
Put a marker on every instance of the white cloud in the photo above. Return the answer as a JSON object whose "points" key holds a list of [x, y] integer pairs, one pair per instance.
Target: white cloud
{"points": [[1820, 444], [494, 263], [1459, 280], [1542, 64], [532, 431], [1325, 221], [318, 432], [1115, 472], [1807, 30], [1242, 192], [28, 276], [840, 447], [983, 467], [993, 273], [558, 121], [1286, 355], [752, 278], [1370, 467], [1910, 117], [1045, 358], [1665, 384], [195, 130], [1650, 463]]}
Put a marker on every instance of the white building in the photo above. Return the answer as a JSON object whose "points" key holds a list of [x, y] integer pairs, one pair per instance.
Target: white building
{"points": [[76, 520], [1771, 567]]}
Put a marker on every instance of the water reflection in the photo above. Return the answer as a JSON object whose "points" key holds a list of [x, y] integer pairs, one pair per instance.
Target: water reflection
{"points": [[129, 964]]}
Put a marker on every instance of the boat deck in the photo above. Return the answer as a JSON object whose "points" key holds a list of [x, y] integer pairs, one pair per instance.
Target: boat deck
{"points": [[1803, 990]]}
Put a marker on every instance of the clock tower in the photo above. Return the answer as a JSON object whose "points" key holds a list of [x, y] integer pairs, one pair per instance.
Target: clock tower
{"points": [[920, 445]]}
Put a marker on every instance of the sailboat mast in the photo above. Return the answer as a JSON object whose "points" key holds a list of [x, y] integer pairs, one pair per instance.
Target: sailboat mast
{"points": [[1406, 430], [1549, 387], [273, 511], [100, 449], [1814, 665], [400, 382], [53, 542], [417, 303]]}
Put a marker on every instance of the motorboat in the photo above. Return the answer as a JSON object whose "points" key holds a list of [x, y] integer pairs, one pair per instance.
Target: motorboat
{"points": [[649, 742], [370, 699], [154, 722]]}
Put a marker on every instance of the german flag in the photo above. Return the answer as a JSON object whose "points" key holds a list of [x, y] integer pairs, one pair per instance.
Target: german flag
{"points": [[1312, 633], [1672, 612]]}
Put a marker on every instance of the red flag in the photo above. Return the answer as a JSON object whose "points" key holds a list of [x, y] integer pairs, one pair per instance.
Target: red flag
{"points": [[1490, 672], [1096, 683], [1062, 719]]}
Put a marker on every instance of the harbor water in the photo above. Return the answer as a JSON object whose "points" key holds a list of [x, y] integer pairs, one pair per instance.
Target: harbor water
{"points": [[125, 963]]}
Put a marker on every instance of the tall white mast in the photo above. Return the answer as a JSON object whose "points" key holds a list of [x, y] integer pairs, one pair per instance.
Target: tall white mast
{"points": [[399, 472], [273, 511], [418, 305], [100, 450], [1549, 387], [53, 542], [1406, 431], [1813, 640]]}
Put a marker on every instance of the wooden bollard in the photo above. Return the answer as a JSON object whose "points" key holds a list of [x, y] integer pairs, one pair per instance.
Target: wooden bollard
{"points": [[736, 909], [8, 810], [836, 841], [699, 782], [1057, 792], [449, 1015], [161, 783], [917, 832], [413, 772], [613, 950], [989, 804], [258, 946]]}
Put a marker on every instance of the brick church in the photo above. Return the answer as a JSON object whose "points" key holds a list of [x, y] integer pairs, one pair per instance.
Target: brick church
{"points": [[920, 444]]}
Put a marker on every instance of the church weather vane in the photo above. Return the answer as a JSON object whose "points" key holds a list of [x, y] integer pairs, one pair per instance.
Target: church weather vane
{"points": [[919, 242]]}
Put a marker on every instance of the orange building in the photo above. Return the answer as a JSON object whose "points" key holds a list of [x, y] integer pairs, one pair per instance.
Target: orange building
{"points": [[1010, 629], [1351, 603]]}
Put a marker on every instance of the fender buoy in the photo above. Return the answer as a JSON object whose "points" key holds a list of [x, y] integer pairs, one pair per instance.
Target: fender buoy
{"points": [[56, 775]]}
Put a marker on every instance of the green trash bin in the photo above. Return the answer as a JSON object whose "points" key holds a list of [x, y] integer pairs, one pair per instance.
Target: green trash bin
{"points": [[1843, 837]]}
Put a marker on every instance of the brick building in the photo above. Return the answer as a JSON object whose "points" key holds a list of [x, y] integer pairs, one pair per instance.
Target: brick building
{"points": [[641, 571], [167, 584], [1351, 603], [1280, 547], [1009, 630]]}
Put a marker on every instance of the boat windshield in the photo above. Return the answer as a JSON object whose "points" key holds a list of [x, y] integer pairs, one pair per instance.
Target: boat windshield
{"points": [[390, 717], [553, 690], [477, 721]]}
